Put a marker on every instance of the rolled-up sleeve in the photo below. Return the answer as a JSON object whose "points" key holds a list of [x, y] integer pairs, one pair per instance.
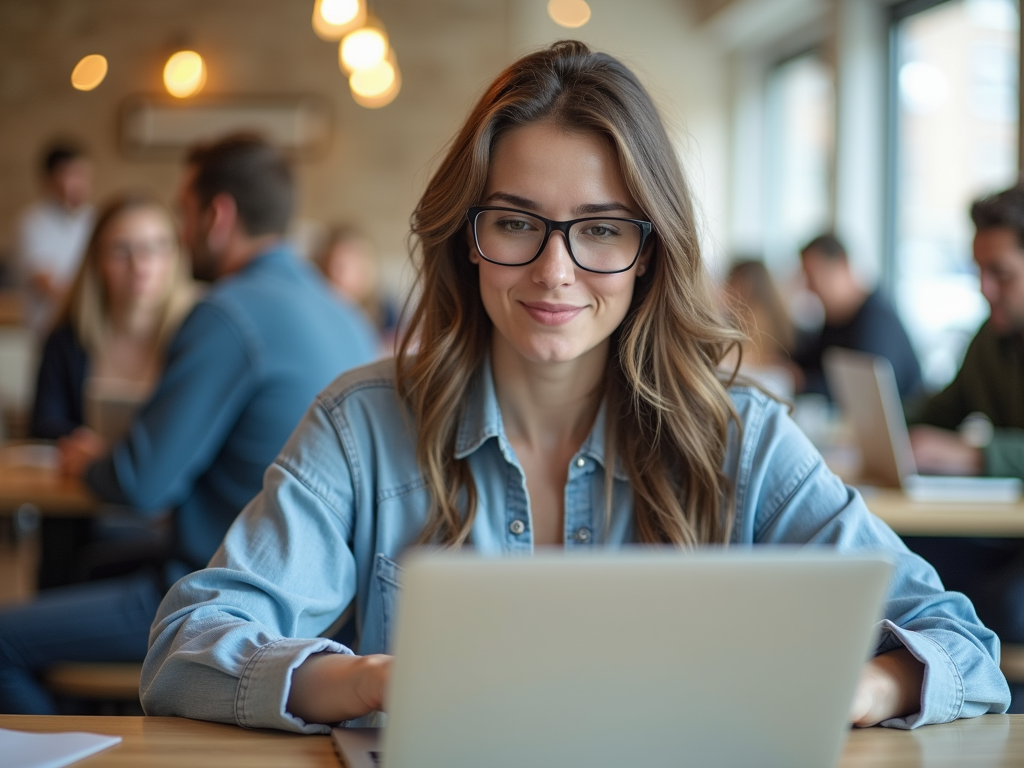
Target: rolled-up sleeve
{"points": [[793, 498], [223, 645]]}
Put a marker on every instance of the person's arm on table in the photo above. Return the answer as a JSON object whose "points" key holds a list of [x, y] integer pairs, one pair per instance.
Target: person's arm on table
{"points": [[231, 642], [205, 385], [945, 452], [807, 504]]}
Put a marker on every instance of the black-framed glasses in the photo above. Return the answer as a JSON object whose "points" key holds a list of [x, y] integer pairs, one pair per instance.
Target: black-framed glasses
{"points": [[514, 238]]}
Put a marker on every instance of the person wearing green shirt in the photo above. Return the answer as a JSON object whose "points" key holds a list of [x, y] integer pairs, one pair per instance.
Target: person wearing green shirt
{"points": [[975, 426], [990, 384]]}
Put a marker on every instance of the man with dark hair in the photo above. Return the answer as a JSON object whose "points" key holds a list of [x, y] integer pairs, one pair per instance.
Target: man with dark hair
{"points": [[855, 318], [990, 383], [975, 426], [53, 233], [243, 368]]}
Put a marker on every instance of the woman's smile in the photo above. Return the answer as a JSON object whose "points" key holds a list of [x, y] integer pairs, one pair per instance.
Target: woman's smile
{"points": [[548, 313]]}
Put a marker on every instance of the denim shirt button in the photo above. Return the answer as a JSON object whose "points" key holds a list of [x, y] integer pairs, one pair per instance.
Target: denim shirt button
{"points": [[516, 527], [581, 462], [583, 535]]}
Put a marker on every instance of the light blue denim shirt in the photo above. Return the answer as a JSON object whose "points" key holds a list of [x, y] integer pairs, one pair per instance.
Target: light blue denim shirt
{"points": [[345, 499]]}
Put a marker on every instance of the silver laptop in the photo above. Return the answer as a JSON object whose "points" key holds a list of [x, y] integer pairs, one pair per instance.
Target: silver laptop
{"points": [[635, 658], [865, 387]]}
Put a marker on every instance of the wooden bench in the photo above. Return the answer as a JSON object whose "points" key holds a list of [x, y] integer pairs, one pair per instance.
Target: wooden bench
{"points": [[95, 681], [1012, 662]]}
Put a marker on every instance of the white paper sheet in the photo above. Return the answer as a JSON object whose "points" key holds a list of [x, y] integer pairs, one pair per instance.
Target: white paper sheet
{"points": [[49, 750]]}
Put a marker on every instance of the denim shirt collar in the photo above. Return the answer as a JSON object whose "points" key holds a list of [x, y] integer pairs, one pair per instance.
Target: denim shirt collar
{"points": [[482, 421]]}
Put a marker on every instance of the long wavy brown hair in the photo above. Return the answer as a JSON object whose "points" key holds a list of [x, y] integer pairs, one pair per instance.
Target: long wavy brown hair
{"points": [[668, 412]]}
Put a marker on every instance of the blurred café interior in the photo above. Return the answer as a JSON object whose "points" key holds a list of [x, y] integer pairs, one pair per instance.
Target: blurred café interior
{"points": [[877, 121]]}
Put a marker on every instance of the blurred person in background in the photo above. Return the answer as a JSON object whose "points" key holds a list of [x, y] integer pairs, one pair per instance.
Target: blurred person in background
{"points": [[855, 318], [349, 264], [757, 308], [990, 383], [975, 426], [753, 305], [240, 372], [131, 293], [52, 233]]}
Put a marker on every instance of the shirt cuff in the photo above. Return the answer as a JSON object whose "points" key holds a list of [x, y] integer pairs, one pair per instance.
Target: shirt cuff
{"points": [[942, 692], [1004, 455], [263, 689]]}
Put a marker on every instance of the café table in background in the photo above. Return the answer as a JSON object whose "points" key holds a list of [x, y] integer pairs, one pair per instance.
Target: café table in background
{"points": [[29, 476]]}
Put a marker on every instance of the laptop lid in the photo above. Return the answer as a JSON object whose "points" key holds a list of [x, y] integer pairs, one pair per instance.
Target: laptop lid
{"points": [[865, 387], [639, 658]]}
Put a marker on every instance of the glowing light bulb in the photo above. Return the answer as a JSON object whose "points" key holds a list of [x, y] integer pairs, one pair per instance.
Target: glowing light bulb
{"points": [[184, 74], [377, 86], [89, 72], [332, 19], [366, 47], [338, 12], [373, 81], [569, 13]]}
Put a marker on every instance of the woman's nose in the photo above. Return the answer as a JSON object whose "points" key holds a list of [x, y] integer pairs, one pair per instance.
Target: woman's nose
{"points": [[554, 267]]}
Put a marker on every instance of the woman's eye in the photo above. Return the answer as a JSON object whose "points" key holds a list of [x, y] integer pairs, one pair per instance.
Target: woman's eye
{"points": [[600, 230], [514, 225]]}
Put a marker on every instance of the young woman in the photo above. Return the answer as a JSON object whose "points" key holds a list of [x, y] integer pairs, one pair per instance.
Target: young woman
{"points": [[106, 351], [130, 294], [563, 393]]}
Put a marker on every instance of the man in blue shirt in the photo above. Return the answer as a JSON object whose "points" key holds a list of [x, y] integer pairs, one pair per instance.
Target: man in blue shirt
{"points": [[240, 373]]}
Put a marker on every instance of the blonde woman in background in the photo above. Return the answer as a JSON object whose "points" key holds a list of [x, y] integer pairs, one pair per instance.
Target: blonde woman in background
{"points": [[106, 351]]}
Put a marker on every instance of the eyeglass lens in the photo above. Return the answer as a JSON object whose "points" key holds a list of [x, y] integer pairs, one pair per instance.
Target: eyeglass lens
{"points": [[602, 245]]}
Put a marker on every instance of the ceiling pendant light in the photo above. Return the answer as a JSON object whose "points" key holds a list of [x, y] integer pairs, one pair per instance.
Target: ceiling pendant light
{"points": [[569, 13], [184, 74], [89, 72], [333, 19], [363, 48], [377, 86]]}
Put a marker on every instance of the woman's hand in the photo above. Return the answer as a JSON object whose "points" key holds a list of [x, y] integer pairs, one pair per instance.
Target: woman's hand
{"points": [[78, 450], [331, 687], [890, 686]]}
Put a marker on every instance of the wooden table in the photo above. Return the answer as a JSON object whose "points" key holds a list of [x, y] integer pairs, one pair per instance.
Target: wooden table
{"points": [[44, 488], [930, 518], [158, 742]]}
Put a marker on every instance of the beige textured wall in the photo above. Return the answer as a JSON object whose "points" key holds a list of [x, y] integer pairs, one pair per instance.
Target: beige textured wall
{"points": [[379, 159], [686, 70]]}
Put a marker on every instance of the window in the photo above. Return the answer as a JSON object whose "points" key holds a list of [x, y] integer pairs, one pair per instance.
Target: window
{"points": [[800, 127], [954, 130]]}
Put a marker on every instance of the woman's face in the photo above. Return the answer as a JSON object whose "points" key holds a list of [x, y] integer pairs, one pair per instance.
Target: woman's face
{"points": [[550, 310], [138, 254]]}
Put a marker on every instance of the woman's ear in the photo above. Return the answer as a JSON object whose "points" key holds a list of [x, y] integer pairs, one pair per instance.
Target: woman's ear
{"points": [[473, 255], [644, 261]]}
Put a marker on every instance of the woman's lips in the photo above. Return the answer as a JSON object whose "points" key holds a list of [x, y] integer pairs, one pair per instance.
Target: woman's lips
{"points": [[551, 314]]}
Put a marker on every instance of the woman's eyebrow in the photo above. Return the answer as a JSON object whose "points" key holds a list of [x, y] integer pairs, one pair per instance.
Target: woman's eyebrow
{"points": [[587, 209], [590, 208], [514, 200]]}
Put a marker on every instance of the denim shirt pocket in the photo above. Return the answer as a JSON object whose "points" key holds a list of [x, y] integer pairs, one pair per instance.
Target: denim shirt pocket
{"points": [[388, 577]]}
